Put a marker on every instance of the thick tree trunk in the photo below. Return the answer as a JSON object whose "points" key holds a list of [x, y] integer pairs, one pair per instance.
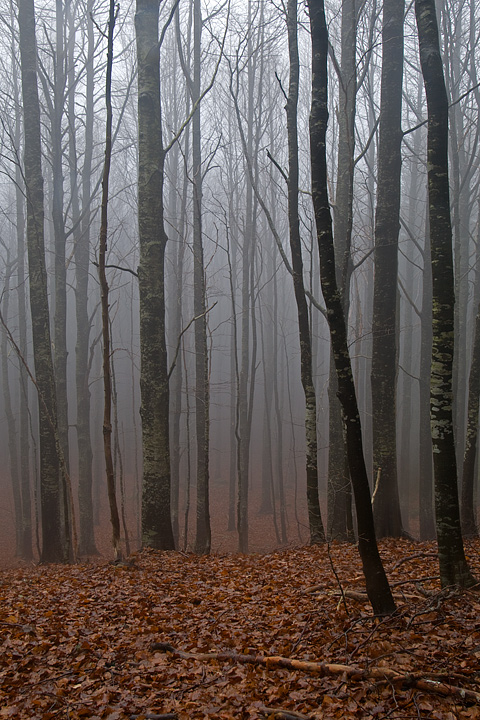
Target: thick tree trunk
{"points": [[156, 521], [388, 520], [378, 588], [454, 569], [54, 545]]}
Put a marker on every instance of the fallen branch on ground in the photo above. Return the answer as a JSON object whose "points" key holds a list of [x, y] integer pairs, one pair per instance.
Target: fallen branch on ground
{"points": [[281, 714], [352, 672]]}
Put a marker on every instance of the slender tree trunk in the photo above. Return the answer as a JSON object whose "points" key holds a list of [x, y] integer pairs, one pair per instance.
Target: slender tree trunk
{"points": [[339, 488], [468, 507], [156, 521], [388, 519], [378, 588], [427, 521], [24, 443], [60, 319], [10, 417], [202, 394], [454, 569], [54, 543], [106, 365], [317, 533], [81, 239]]}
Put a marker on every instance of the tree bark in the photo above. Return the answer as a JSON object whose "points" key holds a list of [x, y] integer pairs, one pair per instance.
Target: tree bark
{"points": [[54, 544], [202, 394], [106, 356], [317, 533], [386, 508], [454, 569], [86, 545], [378, 589], [468, 513], [156, 521]]}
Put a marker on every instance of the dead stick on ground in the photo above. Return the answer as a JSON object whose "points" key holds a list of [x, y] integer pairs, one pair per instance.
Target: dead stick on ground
{"points": [[322, 669], [281, 714]]}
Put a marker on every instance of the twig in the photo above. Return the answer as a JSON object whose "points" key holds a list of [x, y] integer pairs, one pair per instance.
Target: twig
{"points": [[413, 557], [177, 350], [281, 714]]}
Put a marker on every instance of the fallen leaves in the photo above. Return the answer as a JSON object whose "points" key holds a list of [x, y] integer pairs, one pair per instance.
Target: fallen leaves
{"points": [[76, 641]]}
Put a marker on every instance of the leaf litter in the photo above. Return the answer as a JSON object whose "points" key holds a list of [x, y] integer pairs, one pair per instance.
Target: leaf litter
{"points": [[166, 635]]}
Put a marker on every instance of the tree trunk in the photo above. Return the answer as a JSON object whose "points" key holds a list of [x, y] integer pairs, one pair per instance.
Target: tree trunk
{"points": [[54, 544], [468, 507], [86, 544], [339, 488], [156, 521], [454, 569], [317, 533], [24, 434], [386, 508], [106, 365], [202, 395], [378, 588]]}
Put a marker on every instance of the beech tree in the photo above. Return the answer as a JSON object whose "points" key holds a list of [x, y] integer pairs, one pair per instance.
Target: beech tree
{"points": [[378, 589], [55, 545], [454, 569], [317, 534], [156, 521], [388, 521]]}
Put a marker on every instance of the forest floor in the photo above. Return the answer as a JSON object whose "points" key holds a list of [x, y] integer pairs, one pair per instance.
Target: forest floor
{"points": [[78, 641]]}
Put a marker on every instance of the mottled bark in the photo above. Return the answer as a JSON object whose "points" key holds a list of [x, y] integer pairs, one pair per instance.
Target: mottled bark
{"points": [[468, 506], [426, 510], [339, 488], [317, 533], [54, 544], [454, 569], [156, 521], [387, 515], [376, 581]]}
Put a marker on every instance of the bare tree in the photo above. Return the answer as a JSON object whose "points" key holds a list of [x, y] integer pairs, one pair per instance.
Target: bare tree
{"points": [[454, 569], [55, 536], [378, 589]]}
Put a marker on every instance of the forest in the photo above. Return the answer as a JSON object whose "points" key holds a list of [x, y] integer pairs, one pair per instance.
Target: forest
{"points": [[240, 358]]}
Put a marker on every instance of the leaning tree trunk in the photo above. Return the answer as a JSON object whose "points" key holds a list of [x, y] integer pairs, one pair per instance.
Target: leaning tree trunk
{"points": [[339, 488], [54, 542], [454, 569], [378, 589], [317, 533], [156, 521], [386, 507]]}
